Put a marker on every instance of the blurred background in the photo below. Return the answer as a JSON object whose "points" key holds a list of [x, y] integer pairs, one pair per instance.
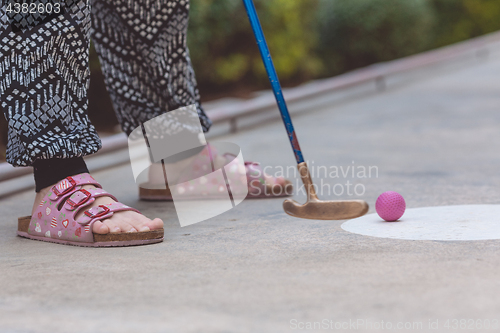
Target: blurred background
{"points": [[309, 39]]}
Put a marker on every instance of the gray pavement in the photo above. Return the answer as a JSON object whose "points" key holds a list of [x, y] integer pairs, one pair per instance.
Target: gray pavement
{"points": [[255, 269]]}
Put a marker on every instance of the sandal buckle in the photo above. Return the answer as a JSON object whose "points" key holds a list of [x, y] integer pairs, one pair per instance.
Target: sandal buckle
{"points": [[101, 211], [81, 201], [65, 186]]}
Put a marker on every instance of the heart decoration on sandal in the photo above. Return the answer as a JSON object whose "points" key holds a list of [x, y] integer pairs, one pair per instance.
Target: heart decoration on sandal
{"points": [[67, 199]]}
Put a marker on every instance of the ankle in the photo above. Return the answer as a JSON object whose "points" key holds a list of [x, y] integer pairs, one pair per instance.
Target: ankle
{"points": [[39, 197], [48, 171]]}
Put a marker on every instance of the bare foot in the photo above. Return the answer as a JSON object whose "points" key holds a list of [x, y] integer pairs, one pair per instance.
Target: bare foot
{"points": [[124, 221]]}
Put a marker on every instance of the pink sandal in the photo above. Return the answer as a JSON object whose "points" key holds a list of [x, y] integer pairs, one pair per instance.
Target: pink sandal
{"points": [[54, 219], [258, 188], [205, 185]]}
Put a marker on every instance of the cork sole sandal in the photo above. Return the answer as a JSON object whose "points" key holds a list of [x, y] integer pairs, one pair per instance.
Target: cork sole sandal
{"points": [[147, 192], [54, 219], [112, 239], [207, 187]]}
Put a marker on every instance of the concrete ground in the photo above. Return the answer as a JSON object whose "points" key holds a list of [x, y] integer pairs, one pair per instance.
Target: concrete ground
{"points": [[435, 140]]}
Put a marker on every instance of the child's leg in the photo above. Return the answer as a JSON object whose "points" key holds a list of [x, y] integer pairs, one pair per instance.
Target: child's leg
{"points": [[44, 77], [144, 58]]}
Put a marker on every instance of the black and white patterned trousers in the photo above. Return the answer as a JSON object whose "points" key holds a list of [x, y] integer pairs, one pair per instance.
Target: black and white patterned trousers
{"points": [[44, 72]]}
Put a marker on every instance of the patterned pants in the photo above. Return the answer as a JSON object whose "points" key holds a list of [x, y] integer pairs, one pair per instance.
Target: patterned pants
{"points": [[44, 72]]}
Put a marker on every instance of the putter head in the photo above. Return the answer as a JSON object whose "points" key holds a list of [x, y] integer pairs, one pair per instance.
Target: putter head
{"points": [[326, 210], [316, 209]]}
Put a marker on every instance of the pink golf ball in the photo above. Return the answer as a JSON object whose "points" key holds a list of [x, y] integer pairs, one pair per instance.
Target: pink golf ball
{"points": [[390, 206]]}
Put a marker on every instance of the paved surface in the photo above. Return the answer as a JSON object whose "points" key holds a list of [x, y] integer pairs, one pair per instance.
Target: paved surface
{"points": [[255, 269]]}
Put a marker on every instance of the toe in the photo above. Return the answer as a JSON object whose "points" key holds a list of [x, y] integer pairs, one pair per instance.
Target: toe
{"points": [[128, 226], [276, 180], [126, 222], [142, 227], [155, 224], [142, 223], [281, 181], [134, 222], [100, 228], [112, 225]]}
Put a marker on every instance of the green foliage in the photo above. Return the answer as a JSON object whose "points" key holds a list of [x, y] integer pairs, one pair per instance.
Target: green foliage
{"points": [[318, 38], [356, 33], [311, 39], [361, 32], [223, 49], [458, 20]]}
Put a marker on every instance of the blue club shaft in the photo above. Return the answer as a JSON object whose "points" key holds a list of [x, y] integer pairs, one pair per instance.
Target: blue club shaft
{"points": [[273, 78]]}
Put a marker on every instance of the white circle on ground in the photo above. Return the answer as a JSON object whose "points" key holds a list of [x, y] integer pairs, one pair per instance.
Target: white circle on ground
{"points": [[444, 223]]}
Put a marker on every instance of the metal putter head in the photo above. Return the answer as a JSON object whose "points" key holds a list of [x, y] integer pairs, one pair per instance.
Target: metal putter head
{"points": [[322, 210], [313, 208]]}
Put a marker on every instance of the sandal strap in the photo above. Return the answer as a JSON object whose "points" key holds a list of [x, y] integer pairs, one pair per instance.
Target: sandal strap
{"points": [[254, 172], [200, 166], [69, 185], [55, 216], [84, 197], [103, 212], [256, 177]]}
